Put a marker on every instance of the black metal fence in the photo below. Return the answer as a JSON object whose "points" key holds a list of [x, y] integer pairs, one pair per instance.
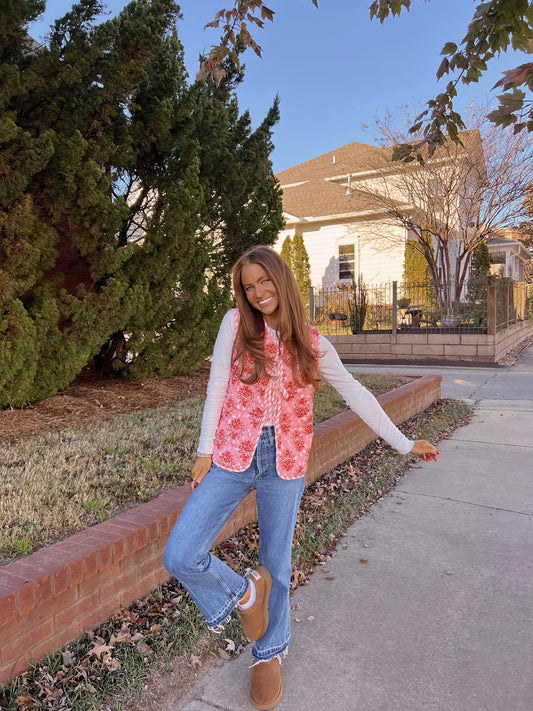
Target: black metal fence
{"points": [[509, 302], [397, 307]]}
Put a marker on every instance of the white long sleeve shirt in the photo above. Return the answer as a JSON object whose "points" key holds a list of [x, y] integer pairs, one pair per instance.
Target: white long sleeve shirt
{"points": [[330, 368]]}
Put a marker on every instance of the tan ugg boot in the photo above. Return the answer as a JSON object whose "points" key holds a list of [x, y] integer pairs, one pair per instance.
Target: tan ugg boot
{"points": [[255, 619], [266, 689]]}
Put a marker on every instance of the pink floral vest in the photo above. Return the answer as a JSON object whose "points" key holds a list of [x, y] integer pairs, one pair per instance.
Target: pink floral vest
{"points": [[244, 409]]}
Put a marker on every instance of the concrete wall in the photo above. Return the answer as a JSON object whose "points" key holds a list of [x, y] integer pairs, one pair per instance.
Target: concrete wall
{"points": [[50, 597], [468, 347]]}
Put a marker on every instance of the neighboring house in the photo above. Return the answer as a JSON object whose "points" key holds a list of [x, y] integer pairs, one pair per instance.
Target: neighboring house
{"points": [[508, 256], [339, 225], [343, 202]]}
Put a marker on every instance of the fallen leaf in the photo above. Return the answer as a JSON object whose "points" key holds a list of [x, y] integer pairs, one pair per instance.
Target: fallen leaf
{"points": [[120, 637], [99, 650], [143, 648], [362, 560], [68, 658], [297, 578], [195, 661], [112, 663]]}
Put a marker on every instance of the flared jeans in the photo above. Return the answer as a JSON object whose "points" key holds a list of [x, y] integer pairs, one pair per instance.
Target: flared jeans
{"points": [[212, 584]]}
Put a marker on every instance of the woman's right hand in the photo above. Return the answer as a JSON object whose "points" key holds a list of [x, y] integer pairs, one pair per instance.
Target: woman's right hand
{"points": [[199, 469]]}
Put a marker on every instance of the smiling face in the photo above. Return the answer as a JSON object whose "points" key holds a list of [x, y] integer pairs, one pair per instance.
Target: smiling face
{"points": [[261, 292]]}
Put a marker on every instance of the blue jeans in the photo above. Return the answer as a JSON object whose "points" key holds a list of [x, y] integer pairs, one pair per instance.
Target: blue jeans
{"points": [[212, 584]]}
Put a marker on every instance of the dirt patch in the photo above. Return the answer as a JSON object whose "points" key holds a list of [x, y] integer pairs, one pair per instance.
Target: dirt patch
{"points": [[91, 398]]}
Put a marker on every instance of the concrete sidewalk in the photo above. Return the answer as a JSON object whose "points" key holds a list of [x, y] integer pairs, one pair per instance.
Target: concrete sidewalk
{"points": [[428, 601]]}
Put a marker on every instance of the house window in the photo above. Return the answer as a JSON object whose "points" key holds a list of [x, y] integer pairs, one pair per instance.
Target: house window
{"points": [[346, 261]]}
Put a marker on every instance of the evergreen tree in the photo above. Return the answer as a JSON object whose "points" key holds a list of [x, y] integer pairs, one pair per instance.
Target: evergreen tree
{"points": [[286, 251], [301, 267], [294, 254], [418, 286], [477, 288], [358, 305], [126, 195], [415, 267], [480, 268]]}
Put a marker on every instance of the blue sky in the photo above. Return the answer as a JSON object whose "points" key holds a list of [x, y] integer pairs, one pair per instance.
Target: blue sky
{"points": [[332, 67]]}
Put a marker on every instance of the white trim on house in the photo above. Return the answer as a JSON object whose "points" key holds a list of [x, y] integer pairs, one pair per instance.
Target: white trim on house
{"points": [[322, 202], [507, 257]]}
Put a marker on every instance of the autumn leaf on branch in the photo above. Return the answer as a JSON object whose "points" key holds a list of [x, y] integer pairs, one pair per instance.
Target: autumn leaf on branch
{"points": [[235, 23], [513, 108]]}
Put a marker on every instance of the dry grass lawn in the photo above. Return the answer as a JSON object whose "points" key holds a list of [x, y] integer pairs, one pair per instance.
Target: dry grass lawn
{"points": [[61, 481]]}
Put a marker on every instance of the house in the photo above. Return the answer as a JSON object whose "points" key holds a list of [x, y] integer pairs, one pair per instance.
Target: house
{"points": [[509, 257], [356, 208], [344, 233]]}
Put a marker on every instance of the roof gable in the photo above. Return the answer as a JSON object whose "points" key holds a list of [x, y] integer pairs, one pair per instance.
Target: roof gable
{"points": [[351, 158], [318, 187]]}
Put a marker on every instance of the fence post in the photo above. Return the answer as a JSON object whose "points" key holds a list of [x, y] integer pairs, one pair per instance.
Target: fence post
{"points": [[491, 308], [507, 306], [394, 308], [311, 305]]}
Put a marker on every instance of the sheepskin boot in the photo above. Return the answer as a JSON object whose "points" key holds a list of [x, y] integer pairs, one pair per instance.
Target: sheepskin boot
{"points": [[266, 689], [254, 617]]}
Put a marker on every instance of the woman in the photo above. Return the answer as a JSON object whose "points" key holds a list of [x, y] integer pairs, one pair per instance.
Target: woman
{"points": [[257, 429]]}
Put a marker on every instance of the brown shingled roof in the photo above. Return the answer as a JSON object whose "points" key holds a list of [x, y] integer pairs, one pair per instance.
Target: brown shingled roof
{"points": [[351, 158], [320, 198], [309, 189]]}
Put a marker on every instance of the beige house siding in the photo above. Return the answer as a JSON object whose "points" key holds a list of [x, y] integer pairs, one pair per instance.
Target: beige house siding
{"points": [[379, 250], [331, 201]]}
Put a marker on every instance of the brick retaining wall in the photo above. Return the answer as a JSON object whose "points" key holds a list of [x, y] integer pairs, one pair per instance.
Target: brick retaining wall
{"points": [[419, 345], [50, 597]]}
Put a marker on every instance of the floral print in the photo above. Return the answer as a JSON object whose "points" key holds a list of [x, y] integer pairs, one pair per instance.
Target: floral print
{"points": [[300, 410], [246, 406], [235, 428]]}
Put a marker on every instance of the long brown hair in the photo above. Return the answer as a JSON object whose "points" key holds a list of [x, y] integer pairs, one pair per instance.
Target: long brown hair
{"points": [[293, 328]]}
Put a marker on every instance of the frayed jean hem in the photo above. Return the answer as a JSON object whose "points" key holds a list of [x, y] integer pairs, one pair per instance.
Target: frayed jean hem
{"points": [[265, 655], [228, 608]]}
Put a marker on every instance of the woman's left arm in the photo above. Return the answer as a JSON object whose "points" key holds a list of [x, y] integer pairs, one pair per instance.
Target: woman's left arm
{"points": [[364, 404]]}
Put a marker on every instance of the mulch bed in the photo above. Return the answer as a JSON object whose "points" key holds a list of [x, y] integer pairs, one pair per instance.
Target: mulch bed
{"points": [[92, 398]]}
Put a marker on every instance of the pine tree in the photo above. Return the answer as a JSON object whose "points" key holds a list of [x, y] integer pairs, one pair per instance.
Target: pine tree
{"points": [[418, 287], [301, 266], [126, 196], [286, 251], [358, 304], [477, 288], [415, 267]]}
